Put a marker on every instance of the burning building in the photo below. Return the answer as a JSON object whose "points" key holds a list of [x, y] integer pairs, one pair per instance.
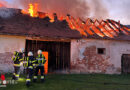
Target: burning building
{"points": [[73, 45]]}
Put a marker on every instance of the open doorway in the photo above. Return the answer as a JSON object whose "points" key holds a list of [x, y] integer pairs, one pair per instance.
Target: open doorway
{"points": [[58, 53]]}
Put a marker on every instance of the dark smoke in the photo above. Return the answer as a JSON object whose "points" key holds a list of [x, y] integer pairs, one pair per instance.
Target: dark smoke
{"points": [[100, 9], [6, 13], [76, 8]]}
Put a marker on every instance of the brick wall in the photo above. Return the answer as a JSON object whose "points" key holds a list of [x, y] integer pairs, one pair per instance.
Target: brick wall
{"points": [[85, 57]]}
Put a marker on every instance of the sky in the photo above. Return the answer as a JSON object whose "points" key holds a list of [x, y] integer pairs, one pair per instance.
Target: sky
{"points": [[7, 0], [118, 10]]}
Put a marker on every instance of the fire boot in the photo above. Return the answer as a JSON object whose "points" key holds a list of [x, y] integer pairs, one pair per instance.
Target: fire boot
{"points": [[13, 77], [28, 82], [42, 78], [35, 79], [16, 77]]}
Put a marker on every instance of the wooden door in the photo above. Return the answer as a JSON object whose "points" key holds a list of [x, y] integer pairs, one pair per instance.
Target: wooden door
{"points": [[126, 63], [58, 53]]}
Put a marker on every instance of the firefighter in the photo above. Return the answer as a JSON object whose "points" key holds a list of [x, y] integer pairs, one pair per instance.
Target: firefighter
{"points": [[40, 61], [30, 61], [17, 58]]}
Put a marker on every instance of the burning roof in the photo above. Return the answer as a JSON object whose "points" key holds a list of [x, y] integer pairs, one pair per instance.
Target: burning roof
{"points": [[34, 23]]}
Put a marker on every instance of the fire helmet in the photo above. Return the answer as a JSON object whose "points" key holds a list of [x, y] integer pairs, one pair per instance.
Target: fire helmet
{"points": [[30, 53], [22, 50], [39, 52]]}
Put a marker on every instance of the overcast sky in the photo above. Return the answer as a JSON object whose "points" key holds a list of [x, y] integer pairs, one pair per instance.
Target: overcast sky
{"points": [[118, 10]]}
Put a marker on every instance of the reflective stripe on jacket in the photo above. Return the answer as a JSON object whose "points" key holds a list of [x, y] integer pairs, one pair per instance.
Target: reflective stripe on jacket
{"points": [[40, 60]]}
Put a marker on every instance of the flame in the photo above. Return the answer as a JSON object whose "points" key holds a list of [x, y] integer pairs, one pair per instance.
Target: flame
{"points": [[42, 15], [101, 28], [61, 18], [32, 10], [51, 18], [24, 12]]}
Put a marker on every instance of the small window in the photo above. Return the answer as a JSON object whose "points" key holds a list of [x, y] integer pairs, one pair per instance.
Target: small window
{"points": [[101, 50]]}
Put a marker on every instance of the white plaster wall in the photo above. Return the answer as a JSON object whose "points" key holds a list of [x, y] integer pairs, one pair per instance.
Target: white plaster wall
{"points": [[114, 51], [9, 44]]}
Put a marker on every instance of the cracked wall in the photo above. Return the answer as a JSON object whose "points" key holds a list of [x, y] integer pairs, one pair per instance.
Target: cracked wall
{"points": [[85, 59], [9, 44]]}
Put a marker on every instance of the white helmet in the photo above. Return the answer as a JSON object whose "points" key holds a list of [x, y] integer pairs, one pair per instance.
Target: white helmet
{"points": [[39, 52], [30, 53], [21, 50]]}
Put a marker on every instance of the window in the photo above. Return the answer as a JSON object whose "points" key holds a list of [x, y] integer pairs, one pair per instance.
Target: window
{"points": [[101, 50]]}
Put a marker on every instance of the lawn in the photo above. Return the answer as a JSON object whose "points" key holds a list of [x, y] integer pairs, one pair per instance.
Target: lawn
{"points": [[75, 82]]}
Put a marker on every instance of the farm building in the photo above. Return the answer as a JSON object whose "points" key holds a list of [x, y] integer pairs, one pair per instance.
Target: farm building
{"points": [[89, 47]]}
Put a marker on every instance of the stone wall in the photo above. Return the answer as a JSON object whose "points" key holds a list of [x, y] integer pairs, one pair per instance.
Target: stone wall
{"points": [[85, 59]]}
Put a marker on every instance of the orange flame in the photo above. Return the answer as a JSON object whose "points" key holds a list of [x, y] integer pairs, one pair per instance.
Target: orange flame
{"points": [[90, 27], [32, 10]]}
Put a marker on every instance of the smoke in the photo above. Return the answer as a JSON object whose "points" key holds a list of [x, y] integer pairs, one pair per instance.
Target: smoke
{"points": [[6, 12], [100, 9], [76, 8], [119, 10]]}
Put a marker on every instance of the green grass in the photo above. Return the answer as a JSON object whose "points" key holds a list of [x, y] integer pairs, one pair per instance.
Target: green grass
{"points": [[75, 82]]}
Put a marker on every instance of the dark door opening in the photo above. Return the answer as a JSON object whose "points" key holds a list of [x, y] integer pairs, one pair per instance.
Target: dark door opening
{"points": [[125, 61], [58, 53]]}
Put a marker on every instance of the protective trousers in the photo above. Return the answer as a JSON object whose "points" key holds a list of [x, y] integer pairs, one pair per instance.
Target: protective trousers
{"points": [[16, 72], [29, 75], [41, 68]]}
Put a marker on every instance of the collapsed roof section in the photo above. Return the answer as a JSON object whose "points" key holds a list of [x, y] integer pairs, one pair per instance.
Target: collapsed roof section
{"points": [[17, 23]]}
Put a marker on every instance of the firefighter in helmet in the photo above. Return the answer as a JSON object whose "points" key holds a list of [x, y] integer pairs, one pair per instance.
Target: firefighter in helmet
{"points": [[30, 62], [17, 59], [40, 61]]}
